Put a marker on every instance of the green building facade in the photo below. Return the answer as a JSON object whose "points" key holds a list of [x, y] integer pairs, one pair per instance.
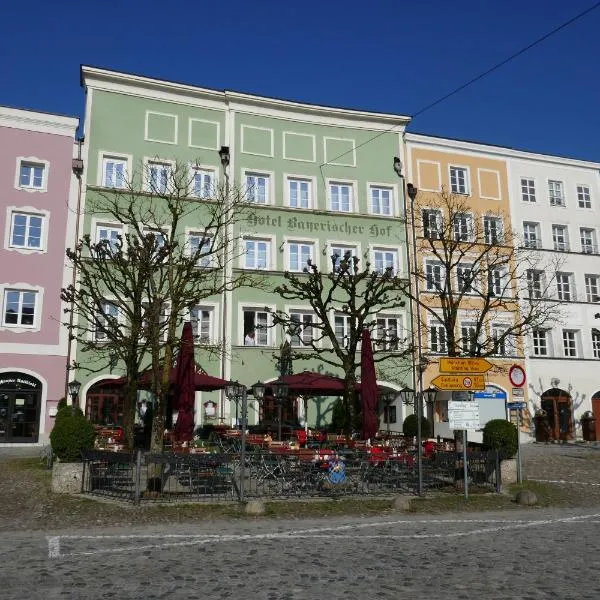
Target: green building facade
{"points": [[316, 189]]}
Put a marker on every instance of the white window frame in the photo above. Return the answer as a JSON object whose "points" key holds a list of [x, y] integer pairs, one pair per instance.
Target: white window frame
{"points": [[204, 263], [164, 317], [148, 162], [383, 342], [592, 287], [270, 241], [396, 258], [105, 155], [21, 288], [509, 346], [468, 221], [527, 243], [555, 198], [393, 191], [288, 178], [306, 314], [338, 314], [204, 171], [592, 247], [502, 280], [355, 250], [165, 233], [260, 308], [120, 319], [313, 246], [541, 339], [571, 343], [439, 264], [352, 196], [539, 283], [435, 325], [558, 231], [29, 211], [595, 338], [108, 225], [487, 230], [531, 195], [474, 286], [565, 289], [269, 180], [467, 346], [584, 196], [212, 309], [437, 213], [35, 162], [467, 182]]}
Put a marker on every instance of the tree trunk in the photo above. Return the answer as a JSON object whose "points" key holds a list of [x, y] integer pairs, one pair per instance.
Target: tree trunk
{"points": [[129, 408], [350, 408]]}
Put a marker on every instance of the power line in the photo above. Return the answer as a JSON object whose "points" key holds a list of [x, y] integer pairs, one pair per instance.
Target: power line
{"points": [[473, 80]]}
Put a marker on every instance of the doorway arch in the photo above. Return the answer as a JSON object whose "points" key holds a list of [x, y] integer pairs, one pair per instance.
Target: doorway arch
{"points": [[596, 411], [20, 407], [558, 405]]}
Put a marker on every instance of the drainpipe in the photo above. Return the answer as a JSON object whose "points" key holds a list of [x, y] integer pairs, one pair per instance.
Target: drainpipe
{"points": [[77, 166]]}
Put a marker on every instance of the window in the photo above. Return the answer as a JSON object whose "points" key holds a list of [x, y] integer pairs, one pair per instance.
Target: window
{"points": [[107, 318], [203, 183], [592, 288], [583, 196], [201, 318], [19, 308], [384, 259], [31, 176], [342, 329], [26, 231], [114, 172], [301, 332], [535, 283], [469, 342], [437, 339], [435, 276], [432, 224], [256, 254], [531, 235], [527, 189], [458, 180], [560, 237], [388, 333], [541, 347], [257, 188], [389, 414], [588, 240], [200, 245], [463, 227], [160, 239], [555, 193], [300, 192], [503, 342], [256, 330], [596, 342], [110, 236], [299, 255], [493, 230], [341, 252], [155, 324], [159, 175], [466, 279], [340, 197], [570, 343], [564, 286], [498, 282], [381, 200]]}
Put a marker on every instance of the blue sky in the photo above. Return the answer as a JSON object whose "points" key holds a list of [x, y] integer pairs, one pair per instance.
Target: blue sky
{"points": [[384, 55]]}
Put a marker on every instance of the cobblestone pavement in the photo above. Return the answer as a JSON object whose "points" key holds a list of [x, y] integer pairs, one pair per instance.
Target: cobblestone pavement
{"points": [[533, 554]]}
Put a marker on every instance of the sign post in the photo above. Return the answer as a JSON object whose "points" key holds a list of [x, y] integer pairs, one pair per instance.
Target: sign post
{"points": [[464, 415], [517, 377]]}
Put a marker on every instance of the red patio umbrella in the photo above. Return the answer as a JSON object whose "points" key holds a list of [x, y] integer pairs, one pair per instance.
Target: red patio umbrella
{"points": [[185, 390], [202, 381], [369, 391], [310, 383]]}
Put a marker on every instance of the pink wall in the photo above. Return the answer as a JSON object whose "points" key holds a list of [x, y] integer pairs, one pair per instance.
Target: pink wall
{"points": [[45, 270]]}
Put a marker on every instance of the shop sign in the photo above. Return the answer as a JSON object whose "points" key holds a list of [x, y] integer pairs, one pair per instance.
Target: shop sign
{"points": [[18, 380]]}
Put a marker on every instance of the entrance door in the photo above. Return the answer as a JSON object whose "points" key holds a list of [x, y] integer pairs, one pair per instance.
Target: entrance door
{"points": [[596, 411], [20, 402], [559, 413]]}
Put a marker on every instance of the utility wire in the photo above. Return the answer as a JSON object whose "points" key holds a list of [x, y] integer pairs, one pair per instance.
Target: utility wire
{"points": [[473, 80]]}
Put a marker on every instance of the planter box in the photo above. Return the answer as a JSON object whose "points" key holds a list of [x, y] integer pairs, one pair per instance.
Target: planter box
{"points": [[508, 471], [67, 478]]}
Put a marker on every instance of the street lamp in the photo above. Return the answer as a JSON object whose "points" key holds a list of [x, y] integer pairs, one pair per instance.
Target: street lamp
{"points": [[411, 191], [280, 392], [74, 387]]}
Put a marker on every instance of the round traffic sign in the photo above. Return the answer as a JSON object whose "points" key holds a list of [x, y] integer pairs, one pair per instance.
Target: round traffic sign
{"points": [[516, 374], [467, 382]]}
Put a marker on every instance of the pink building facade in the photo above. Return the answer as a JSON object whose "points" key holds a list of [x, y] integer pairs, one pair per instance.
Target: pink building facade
{"points": [[38, 209]]}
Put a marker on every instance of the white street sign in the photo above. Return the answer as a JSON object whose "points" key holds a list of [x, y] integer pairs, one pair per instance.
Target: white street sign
{"points": [[518, 393], [463, 415]]}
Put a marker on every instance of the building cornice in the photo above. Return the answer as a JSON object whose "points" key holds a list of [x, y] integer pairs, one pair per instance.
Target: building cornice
{"points": [[18, 118], [448, 144], [137, 85]]}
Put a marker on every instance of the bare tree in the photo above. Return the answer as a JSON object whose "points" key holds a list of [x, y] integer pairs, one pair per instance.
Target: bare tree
{"points": [[166, 253], [343, 302], [482, 287]]}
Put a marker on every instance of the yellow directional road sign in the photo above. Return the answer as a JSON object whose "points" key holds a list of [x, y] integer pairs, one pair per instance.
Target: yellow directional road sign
{"points": [[459, 382], [464, 365]]}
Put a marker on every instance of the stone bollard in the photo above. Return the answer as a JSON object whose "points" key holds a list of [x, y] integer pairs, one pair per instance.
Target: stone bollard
{"points": [[401, 503], [255, 507], [66, 478], [526, 498]]}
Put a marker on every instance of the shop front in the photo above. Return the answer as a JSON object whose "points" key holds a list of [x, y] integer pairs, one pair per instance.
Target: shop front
{"points": [[20, 404]]}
